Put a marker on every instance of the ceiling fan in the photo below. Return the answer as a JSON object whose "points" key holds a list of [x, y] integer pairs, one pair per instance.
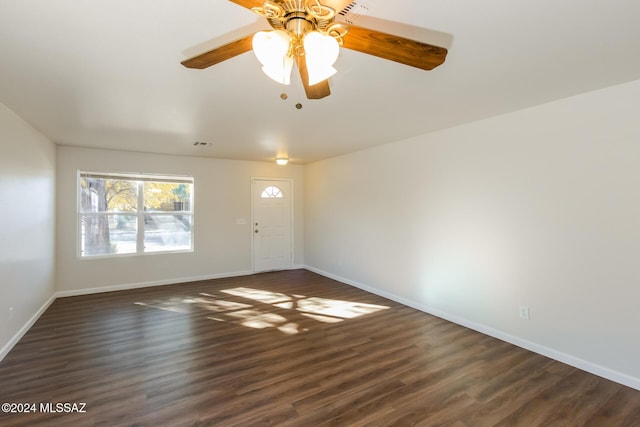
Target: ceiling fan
{"points": [[308, 33]]}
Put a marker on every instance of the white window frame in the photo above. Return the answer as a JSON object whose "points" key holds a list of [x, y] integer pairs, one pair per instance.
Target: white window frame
{"points": [[140, 213]]}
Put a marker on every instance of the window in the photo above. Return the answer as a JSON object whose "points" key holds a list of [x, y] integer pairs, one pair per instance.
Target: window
{"points": [[134, 214], [271, 193]]}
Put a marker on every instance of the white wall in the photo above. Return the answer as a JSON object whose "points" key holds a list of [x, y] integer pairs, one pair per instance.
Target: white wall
{"points": [[539, 208], [222, 195], [27, 224]]}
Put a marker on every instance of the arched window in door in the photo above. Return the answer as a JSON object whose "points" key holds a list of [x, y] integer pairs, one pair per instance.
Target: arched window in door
{"points": [[271, 192]]}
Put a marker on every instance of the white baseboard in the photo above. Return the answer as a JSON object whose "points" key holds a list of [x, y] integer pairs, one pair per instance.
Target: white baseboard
{"points": [[125, 286], [568, 359], [14, 340]]}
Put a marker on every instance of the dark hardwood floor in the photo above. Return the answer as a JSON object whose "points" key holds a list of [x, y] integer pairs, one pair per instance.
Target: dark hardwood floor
{"points": [[287, 348]]}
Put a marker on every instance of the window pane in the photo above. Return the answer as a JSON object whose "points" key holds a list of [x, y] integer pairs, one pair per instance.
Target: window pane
{"points": [[107, 234], [167, 233], [271, 193], [167, 197], [108, 195]]}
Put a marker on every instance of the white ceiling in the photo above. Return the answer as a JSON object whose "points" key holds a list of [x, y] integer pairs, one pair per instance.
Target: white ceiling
{"points": [[107, 73]]}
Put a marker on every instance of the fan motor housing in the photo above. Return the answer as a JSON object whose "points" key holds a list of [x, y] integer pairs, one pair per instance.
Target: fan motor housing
{"points": [[298, 23]]}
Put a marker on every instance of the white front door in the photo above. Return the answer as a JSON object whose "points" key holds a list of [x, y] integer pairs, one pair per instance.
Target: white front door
{"points": [[272, 224]]}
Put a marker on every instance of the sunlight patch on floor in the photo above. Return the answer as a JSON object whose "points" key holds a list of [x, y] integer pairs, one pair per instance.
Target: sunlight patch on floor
{"points": [[286, 305], [258, 311], [257, 319], [219, 305], [266, 297], [337, 308], [323, 319], [260, 320]]}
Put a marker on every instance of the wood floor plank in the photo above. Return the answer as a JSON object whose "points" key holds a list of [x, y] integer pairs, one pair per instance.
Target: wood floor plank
{"points": [[289, 348], [509, 400], [620, 410]]}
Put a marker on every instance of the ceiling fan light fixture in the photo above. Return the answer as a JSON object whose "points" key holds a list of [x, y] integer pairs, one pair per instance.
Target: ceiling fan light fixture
{"points": [[321, 52], [272, 50], [311, 33]]}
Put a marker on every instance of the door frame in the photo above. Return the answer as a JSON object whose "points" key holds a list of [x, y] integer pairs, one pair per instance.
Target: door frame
{"points": [[255, 179]]}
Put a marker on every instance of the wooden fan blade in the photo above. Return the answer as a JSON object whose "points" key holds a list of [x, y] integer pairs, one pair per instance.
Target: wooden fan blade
{"points": [[220, 54], [248, 3], [394, 48], [318, 90]]}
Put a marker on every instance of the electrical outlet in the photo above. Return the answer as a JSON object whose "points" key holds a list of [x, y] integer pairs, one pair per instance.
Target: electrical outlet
{"points": [[10, 313], [524, 312]]}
